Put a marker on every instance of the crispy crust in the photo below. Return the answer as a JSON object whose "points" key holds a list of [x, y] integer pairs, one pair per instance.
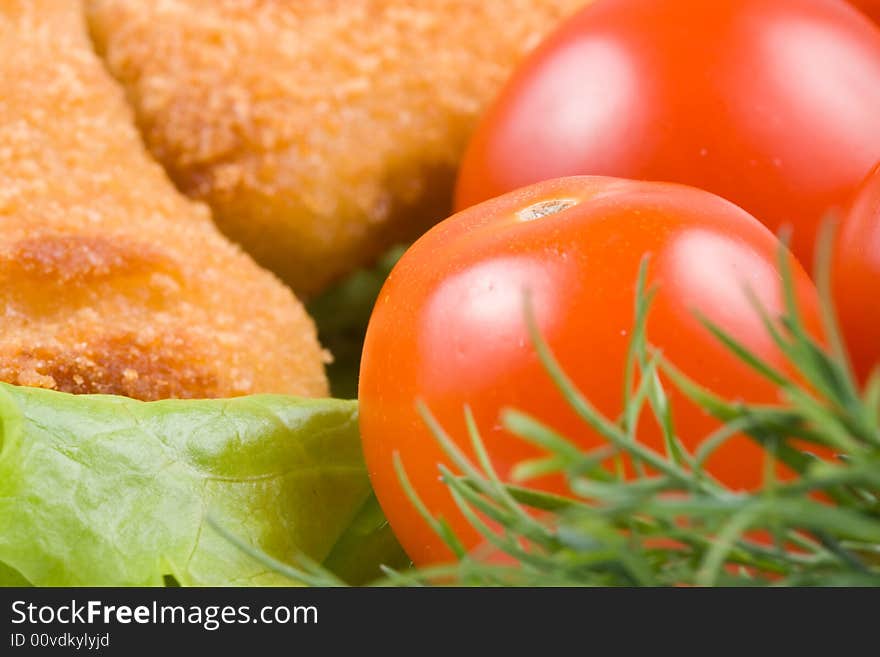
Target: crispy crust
{"points": [[319, 131], [110, 280]]}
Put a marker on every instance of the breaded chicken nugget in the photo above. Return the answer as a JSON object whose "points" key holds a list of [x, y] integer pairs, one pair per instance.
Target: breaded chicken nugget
{"points": [[110, 280], [319, 131]]}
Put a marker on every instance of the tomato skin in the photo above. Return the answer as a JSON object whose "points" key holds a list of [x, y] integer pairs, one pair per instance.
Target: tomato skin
{"points": [[870, 8], [771, 104], [448, 328], [856, 277]]}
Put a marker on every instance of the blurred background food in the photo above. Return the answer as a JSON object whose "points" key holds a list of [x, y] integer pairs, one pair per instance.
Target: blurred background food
{"points": [[618, 91], [321, 132], [112, 281]]}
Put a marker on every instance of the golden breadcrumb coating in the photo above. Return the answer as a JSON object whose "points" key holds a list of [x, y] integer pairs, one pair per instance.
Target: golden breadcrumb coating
{"points": [[110, 280], [319, 131]]}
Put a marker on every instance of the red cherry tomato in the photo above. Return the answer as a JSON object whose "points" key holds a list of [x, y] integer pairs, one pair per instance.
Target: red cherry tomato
{"points": [[856, 277], [771, 104], [449, 329]]}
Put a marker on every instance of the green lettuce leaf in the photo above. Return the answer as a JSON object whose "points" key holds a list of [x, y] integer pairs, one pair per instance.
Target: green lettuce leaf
{"points": [[367, 543], [342, 314], [106, 491], [10, 577]]}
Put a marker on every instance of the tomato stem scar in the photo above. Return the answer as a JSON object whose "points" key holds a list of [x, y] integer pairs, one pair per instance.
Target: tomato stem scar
{"points": [[545, 208]]}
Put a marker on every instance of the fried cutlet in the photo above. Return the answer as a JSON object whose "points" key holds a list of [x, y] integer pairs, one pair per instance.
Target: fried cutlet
{"points": [[319, 131], [111, 281]]}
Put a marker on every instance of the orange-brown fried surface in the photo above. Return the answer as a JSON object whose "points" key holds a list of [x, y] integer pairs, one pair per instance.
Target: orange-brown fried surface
{"points": [[319, 131], [110, 280]]}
